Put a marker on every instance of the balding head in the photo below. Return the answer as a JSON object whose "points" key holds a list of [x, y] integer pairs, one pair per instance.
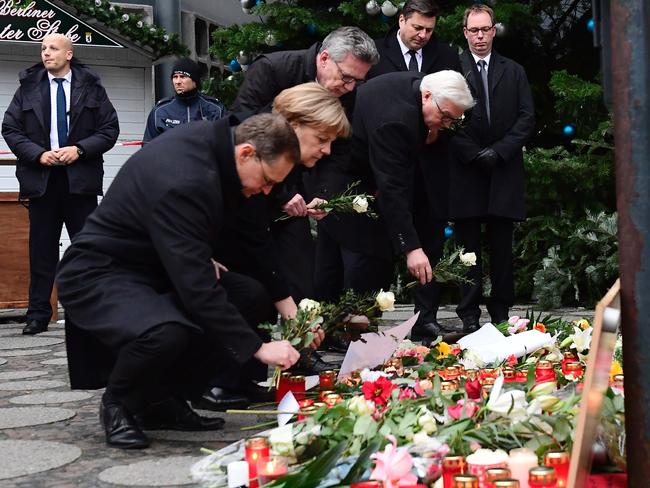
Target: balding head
{"points": [[56, 53]]}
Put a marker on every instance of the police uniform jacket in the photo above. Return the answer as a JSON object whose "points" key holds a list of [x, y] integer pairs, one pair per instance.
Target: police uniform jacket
{"points": [[171, 112]]}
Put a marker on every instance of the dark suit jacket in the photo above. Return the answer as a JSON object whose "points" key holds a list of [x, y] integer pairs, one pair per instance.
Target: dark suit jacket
{"points": [[388, 138], [436, 56], [500, 192], [143, 257], [93, 126], [434, 158]]}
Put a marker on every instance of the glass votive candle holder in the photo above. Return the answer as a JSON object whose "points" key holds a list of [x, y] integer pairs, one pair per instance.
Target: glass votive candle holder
{"points": [[255, 448], [322, 394], [493, 474], [448, 387], [271, 468], [542, 477], [544, 371], [282, 387], [307, 411], [452, 465], [452, 372], [559, 460], [509, 374], [297, 387], [482, 460], [464, 481], [327, 379], [506, 483]]}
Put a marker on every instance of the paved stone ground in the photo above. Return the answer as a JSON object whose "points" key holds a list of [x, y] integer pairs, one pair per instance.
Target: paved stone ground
{"points": [[50, 436]]}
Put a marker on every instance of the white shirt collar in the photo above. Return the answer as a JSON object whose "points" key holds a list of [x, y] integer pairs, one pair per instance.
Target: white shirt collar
{"points": [[486, 58], [67, 77], [405, 49]]}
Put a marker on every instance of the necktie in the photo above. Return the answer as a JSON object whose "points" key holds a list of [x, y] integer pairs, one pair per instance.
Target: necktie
{"points": [[482, 67], [413, 63], [61, 116]]}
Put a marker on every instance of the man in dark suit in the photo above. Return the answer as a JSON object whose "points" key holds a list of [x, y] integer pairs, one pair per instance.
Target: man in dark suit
{"points": [[487, 174], [413, 46], [59, 124], [145, 313], [386, 144]]}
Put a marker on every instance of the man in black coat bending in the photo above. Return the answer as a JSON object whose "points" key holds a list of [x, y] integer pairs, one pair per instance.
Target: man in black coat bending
{"points": [[138, 284], [487, 174], [59, 124], [387, 142], [413, 46]]}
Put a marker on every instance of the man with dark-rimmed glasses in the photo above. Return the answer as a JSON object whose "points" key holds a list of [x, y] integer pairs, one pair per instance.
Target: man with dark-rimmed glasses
{"points": [[487, 174]]}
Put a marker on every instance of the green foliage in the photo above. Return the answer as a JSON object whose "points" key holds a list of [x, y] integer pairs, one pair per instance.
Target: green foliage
{"points": [[581, 268], [131, 25]]}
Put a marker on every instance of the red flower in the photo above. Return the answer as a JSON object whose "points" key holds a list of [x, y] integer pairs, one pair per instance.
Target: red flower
{"points": [[406, 394], [455, 349], [473, 389], [378, 391], [540, 327], [511, 360]]}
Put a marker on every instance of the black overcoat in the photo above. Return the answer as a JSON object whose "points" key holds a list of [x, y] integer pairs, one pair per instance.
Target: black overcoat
{"points": [[476, 193], [386, 143], [93, 126], [143, 257]]}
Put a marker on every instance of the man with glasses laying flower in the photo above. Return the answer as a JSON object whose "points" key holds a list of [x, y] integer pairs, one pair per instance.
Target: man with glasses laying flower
{"points": [[487, 173], [387, 141]]}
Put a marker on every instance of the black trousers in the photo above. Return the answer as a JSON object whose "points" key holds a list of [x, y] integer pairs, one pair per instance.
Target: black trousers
{"points": [[173, 360], [499, 244], [295, 250], [339, 268], [432, 238], [47, 214]]}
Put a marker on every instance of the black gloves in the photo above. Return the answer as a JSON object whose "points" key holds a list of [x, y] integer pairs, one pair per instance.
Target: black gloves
{"points": [[487, 159]]}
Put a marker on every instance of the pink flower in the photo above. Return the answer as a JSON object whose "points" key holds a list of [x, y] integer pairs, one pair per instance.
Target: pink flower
{"points": [[517, 324], [469, 408], [511, 360], [421, 386], [473, 389], [406, 394], [393, 466], [474, 446]]}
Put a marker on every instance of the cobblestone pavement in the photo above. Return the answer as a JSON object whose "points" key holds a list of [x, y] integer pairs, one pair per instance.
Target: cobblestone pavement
{"points": [[50, 436]]}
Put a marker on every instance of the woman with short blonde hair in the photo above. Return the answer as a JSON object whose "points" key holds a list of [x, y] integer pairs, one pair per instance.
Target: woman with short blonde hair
{"points": [[316, 115]]}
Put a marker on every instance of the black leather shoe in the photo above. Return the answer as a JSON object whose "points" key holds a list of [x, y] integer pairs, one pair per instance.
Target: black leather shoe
{"points": [[176, 414], [256, 393], [429, 331], [121, 428], [220, 400], [470, 324], [34, 327], [311, 363]]}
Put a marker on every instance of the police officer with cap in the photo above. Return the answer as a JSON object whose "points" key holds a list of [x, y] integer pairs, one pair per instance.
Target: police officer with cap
{"points": [[186, 105]]}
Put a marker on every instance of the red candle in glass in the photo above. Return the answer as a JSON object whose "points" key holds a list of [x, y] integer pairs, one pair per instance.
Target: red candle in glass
{"points": [[572, 369], [271, 468], [521, 376], [297, 387], [544, 371], [452, 465], [282, 387], [255, 448], [327, 380], [542, 477], [560, 461]]}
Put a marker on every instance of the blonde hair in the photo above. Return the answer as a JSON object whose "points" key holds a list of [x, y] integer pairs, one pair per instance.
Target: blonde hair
{"points": [[313, 105]]}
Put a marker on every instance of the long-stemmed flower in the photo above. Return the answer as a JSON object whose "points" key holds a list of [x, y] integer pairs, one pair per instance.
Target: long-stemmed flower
{"points": [[378, 391], [393, 466]]}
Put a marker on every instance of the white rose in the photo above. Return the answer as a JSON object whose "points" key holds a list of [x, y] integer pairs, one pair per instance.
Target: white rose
{"points": [[360, 204], [385, 300], [468, 259], [309, 305], [361, 406], [427, 423]]}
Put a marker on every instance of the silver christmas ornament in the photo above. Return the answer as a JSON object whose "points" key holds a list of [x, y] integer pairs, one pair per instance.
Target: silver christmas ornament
{"points": [[372, 7], [140, 24], [125, 18], [270, 39], [500, 28], [388, 9], [242, 58], [98, 3]]}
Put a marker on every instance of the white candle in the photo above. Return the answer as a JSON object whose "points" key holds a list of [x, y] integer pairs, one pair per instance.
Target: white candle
{"points": [[237, 474], [520, 461]]}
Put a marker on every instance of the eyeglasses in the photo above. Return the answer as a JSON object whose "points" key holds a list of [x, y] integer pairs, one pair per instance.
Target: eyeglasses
{"points": [[475, 30], [348, 79], [449, 122], [267, 180]]}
